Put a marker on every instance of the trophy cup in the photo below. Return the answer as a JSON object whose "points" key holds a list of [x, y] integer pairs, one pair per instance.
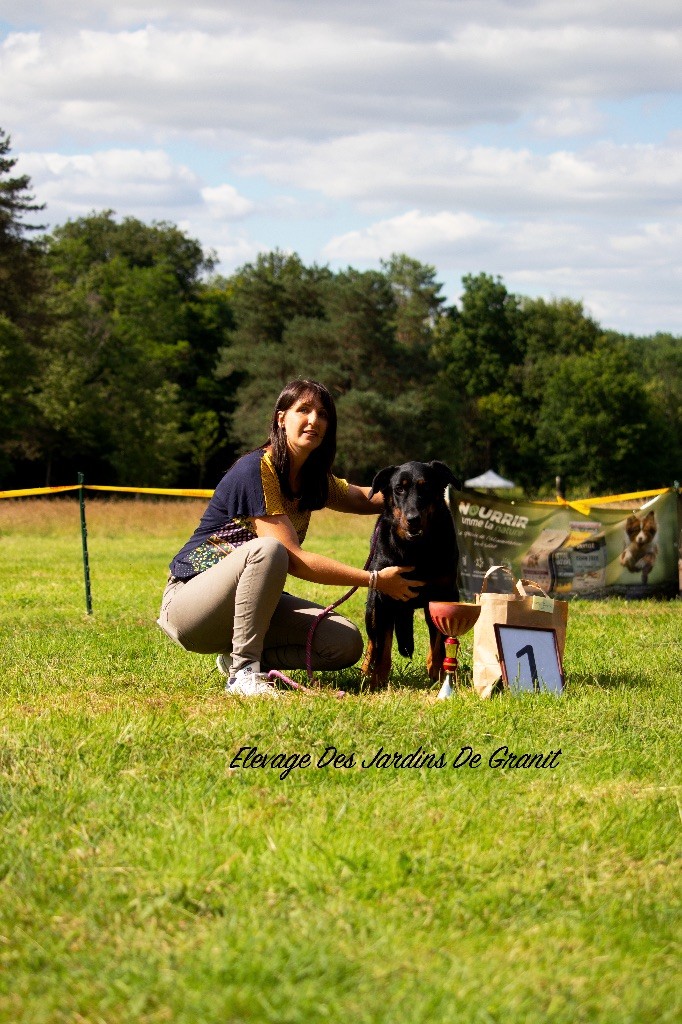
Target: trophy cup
{"points": [[453, 619]]}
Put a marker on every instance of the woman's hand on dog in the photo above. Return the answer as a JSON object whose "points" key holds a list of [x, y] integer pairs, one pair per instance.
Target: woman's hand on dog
{"points": [[391, 581]]}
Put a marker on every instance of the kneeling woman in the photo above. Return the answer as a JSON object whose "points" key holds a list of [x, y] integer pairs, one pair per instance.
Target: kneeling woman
{"points": [[225, 592]]}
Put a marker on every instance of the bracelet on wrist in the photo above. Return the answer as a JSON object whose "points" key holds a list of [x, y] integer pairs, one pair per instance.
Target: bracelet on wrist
{"points": [[373, 576]]}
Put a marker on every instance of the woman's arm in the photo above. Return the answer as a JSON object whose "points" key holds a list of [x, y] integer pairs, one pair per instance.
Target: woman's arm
{"points": [[357, 500], [306, 565]]}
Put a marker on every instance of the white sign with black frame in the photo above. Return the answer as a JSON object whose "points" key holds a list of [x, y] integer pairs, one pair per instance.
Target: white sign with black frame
{"points": [[529, 658]]}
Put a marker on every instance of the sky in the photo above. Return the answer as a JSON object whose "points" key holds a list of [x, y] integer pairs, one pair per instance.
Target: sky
{"points": [[535, 140]]}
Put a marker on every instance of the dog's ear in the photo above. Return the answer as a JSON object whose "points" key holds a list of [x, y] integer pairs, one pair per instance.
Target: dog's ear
{"points": [[445, 474], [382, 480]]}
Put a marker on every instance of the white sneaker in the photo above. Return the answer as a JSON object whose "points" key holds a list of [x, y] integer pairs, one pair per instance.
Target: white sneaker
{"points": [[249, 682], [222, 663]]}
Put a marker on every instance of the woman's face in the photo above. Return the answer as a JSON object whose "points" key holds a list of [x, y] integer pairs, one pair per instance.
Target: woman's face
{"points": [[305, 423]]}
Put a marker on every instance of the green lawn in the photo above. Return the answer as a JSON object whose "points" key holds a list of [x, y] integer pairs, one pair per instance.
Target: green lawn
{"points": [[144, 879]]}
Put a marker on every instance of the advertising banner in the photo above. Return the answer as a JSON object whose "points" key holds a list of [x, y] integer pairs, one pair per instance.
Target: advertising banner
{"points": [[594, 552]]}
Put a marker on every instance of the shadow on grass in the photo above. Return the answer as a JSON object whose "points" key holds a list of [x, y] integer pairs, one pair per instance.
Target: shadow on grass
{"points": [[412, 677], [607, 681], [415, 679]]}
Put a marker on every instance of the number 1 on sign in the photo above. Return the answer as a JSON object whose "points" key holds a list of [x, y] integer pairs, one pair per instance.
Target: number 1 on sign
{"points": [[529, 658], [530, 654]]}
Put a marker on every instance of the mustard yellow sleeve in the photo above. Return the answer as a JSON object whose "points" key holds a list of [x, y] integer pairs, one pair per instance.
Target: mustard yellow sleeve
{"points": [[272, 492], [338, 489]]}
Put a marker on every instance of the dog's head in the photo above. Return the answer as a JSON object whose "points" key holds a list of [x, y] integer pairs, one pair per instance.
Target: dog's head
{"points": [[412, 494], [641, 529]]}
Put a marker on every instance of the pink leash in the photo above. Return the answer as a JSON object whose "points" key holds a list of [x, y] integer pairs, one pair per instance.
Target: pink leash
{"points": [[275, 674]]}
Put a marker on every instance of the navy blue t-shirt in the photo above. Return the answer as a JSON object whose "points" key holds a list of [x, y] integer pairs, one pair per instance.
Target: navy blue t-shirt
{"points": [[250, 489]]}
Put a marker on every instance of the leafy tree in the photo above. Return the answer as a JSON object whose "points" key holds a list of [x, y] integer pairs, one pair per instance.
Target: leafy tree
{"points": [[479, 349], [360, 310], [389, 410], [501, 435], [418, 300], [503, 351], [484, 341], [594, 420], [550, 331], [19, 257], [661, 359], [268, 294], [555, 328], [204, 439], [491, 383], [266, 298], [80, 244], [342, 329], [363, 369], [21, 312], [120, 355], [209, 401], [16, 368], [126, 366]]}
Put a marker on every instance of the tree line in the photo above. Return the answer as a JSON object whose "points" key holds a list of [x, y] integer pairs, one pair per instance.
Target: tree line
{"points": [[123, 354]]}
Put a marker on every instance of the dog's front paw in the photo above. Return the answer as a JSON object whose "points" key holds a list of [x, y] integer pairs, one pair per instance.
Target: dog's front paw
{"points": [[376, 676], [374, 682]]}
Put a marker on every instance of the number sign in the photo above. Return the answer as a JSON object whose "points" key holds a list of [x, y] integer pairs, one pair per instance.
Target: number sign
{"points": [[529, 658]]}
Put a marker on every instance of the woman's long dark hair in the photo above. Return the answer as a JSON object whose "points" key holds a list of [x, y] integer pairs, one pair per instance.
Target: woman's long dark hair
{"points": [[317, 467]]}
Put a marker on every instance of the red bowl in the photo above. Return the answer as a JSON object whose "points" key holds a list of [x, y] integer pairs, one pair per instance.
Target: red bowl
{"points": [[454, 618]]}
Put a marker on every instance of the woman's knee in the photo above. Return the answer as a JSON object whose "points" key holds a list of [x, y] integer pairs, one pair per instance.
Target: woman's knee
{"points": [[271, 551], [340, 643]]}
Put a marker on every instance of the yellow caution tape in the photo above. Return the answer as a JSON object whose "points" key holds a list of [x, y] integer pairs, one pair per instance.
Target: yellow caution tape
{"points": [[179, 492], [624, 497], [580, 504], [28, 491], [585, 505]]}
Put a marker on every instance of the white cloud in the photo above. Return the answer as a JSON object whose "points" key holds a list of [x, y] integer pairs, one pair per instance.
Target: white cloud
{"points": [[514, 245], [633, 299], [315, 79], [142, 183], [225, 203], [149, 185], [396, 17], [411, 232], [623, 277], [569, 117], [499, 135], [386, 169], [143, 180]]}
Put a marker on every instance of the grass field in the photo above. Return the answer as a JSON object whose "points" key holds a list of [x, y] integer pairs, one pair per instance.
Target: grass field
{"points": [[144, 879]]}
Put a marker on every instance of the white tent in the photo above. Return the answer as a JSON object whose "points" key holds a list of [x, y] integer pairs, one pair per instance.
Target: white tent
{"points": [[490, 481]]}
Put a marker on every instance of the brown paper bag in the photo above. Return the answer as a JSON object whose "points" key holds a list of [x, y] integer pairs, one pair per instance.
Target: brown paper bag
{"points": [[516, 609]]}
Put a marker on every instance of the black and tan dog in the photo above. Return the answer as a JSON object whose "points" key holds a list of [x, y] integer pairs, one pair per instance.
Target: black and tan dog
{"points": [[415, 529]]}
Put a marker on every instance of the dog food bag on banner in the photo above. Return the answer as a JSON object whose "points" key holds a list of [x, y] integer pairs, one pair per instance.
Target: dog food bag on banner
{"points": [[579, 565], [518, 608], [535, 565]]}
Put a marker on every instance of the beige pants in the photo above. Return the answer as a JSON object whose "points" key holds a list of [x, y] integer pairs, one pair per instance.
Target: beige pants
{"points": [[237, 607]]}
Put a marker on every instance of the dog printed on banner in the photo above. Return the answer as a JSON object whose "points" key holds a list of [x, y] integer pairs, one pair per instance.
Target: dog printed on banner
{"points": [[641, 544]]}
